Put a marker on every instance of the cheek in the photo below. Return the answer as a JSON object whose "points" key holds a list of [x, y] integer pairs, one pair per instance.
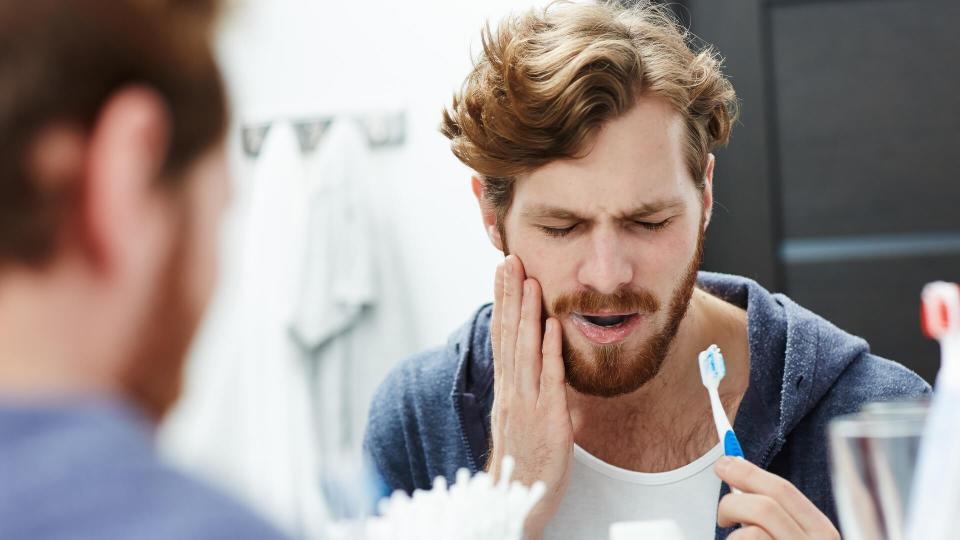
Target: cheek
{"points": [[669, 261], [670, 251], [544, 259]]}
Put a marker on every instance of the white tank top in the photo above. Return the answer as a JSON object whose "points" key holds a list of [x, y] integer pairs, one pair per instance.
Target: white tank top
{"points": [[600, 494]]}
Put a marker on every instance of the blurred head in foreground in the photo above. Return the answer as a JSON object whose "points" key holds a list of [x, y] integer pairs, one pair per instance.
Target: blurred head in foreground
{"points": [[112, 181]]}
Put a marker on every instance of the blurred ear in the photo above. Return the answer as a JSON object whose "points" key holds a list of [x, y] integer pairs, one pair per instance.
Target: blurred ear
{"points": [[126, 153], [708, 189], [487, 214]]}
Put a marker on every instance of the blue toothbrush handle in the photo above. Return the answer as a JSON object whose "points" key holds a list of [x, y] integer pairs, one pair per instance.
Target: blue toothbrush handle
{"points": [[731, 446]]}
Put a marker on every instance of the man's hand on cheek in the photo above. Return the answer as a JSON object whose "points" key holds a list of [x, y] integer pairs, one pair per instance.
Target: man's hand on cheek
{"points": [[530, 420], [769, 507]]}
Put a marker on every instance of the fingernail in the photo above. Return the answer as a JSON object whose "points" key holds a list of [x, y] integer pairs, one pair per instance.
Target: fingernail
{"points": [[526, 288], [723, 464], [507, 269]]}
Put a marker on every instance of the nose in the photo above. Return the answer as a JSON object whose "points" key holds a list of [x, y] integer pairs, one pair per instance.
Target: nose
{"points": [[606, 266]]}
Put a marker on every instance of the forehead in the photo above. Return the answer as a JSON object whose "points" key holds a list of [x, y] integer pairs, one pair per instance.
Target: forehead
{"points": [[634, 159]]}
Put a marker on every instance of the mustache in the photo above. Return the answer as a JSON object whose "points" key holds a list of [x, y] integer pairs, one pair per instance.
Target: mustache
{"points": [[590, 301]]}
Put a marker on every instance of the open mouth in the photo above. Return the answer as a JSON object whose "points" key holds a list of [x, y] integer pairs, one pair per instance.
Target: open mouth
{"points": [[606, 329], [607, 321]]}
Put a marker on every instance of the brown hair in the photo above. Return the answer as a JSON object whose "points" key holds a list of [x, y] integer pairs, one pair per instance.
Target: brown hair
{"points": [[548, 78], [61, 60]]}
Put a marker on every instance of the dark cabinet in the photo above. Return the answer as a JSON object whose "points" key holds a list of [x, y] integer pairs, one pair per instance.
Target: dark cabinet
{"points": [[839, 187]]}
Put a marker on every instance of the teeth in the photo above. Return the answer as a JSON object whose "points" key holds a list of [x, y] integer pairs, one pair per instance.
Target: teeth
{"points": [[605, 321]]}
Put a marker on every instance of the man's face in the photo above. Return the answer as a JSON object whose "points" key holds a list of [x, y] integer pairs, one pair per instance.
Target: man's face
{"points": [[184, 289], [614, 239]]}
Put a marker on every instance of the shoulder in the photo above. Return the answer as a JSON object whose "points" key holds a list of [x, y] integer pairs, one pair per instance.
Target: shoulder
{"points": [[415, 430], [425, 382], [411, 407], [131, 499], [177, 506], [871, 378], [421, 382], [867, 379]]}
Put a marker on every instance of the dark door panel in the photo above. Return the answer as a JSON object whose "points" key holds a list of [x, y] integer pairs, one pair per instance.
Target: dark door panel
{"points": [[839, 186], [867, 116]]}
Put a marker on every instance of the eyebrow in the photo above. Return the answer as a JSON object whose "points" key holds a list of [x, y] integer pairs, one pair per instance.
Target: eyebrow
{"points": [[641, 211]]}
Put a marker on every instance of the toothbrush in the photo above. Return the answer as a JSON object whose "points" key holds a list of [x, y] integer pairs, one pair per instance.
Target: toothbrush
{"points": [[712, 370], [936, 482], [940, 319]]}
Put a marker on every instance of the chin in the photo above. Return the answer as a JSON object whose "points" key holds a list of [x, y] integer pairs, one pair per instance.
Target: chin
{"points": [[609, 370]]}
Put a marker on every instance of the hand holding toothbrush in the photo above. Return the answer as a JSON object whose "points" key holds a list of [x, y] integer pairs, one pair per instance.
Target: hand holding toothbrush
{"points": [[767, 506], [530, 420]]}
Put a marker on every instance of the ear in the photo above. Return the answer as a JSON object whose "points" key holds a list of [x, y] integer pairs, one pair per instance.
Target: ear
{"points": [[487, 214], [126, 152], [708, 190]]}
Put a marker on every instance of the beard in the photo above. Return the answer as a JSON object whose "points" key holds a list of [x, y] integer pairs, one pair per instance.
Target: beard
{"points": [[609, 370], [153, 379]]}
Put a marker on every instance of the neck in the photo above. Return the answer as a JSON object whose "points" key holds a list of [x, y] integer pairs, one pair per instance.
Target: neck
{"points": [[49, 347], [670, 414]]}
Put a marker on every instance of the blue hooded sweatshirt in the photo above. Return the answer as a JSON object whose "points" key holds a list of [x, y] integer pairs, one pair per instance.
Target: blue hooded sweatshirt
{"points": [[431, 416]]}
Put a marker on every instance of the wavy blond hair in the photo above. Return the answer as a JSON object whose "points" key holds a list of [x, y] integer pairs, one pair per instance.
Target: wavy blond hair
{"points": [[546, 79]]}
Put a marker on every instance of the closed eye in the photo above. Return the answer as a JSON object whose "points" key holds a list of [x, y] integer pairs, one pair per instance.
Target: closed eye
{"points": [[655, 226], [557, 232]]}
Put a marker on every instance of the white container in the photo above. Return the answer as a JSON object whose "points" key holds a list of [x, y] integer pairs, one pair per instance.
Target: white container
{"points": [[646, 530]]}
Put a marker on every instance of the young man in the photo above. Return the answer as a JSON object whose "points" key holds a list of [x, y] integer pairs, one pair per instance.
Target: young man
{"points": [[590, 128], [112, 181]]}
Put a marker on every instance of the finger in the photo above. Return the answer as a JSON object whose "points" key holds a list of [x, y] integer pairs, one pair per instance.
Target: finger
{"points": [[495, 323], [495, 314], [749, 533], [759, 511], [750, 478], [553, 374], [510, 318], [529, 343]]}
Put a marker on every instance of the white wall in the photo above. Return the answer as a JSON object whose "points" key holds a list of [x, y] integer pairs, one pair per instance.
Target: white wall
{"points": [[240, 416], [300, 57]]}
